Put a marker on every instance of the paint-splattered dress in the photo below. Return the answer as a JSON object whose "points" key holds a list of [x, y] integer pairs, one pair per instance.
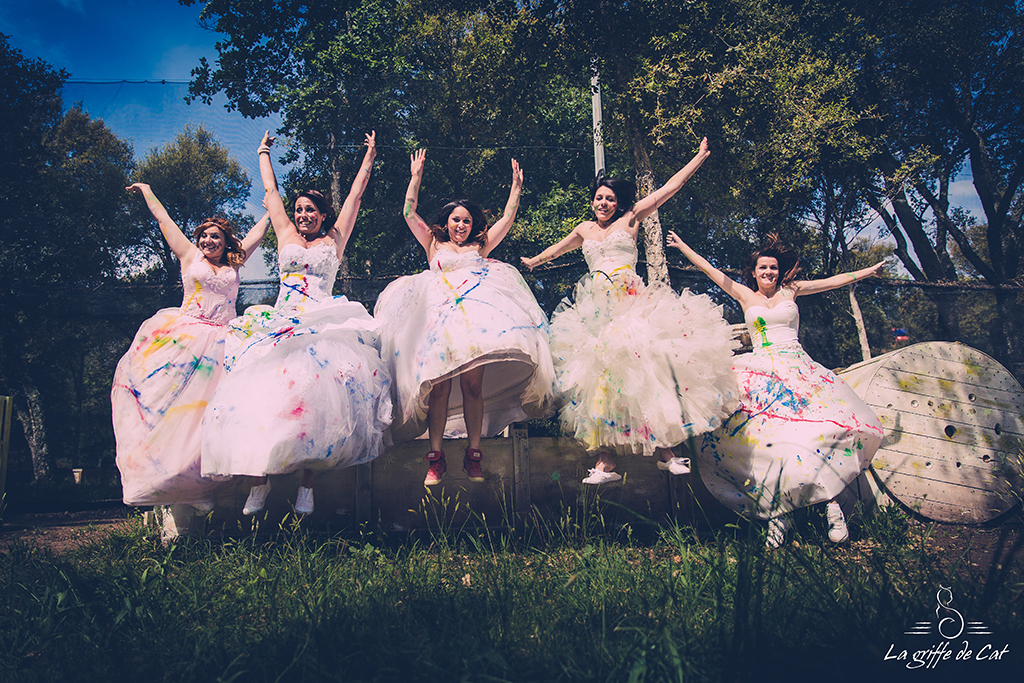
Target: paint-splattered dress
{"points": [[464, 312], [801, 434], [639, 367], [305, 386], [161, 388]]}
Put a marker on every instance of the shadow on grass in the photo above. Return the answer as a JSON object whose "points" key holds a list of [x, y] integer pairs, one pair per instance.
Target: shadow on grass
{"points": [[578, 596]]}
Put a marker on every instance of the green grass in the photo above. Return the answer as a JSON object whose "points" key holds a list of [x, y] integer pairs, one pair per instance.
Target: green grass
{"points": [[568, 599]]}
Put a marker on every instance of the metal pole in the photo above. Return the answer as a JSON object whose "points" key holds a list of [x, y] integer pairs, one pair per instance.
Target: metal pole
{"points": [[595, 95]]}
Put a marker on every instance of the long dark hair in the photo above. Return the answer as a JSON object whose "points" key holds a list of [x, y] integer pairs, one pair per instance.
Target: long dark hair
{"points": [[233, 255], [625, 192], [477, 234], [789, 262], [322, 205]]}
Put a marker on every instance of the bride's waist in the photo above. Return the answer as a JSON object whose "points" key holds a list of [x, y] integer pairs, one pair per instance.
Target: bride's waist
{"points": [[612, 269]]}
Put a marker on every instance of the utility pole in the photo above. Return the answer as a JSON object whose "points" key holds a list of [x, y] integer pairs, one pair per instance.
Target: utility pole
{"points": [[595, 97]]}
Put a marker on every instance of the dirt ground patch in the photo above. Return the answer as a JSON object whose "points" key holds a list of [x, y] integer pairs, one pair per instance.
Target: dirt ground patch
{"points": [[60, 531]]}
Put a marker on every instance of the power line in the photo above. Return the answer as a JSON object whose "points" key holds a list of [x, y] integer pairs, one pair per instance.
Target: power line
{"points": [[162, 81]]}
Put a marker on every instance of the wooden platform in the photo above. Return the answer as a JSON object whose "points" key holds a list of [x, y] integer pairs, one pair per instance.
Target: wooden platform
{"points": [[536, 481]]}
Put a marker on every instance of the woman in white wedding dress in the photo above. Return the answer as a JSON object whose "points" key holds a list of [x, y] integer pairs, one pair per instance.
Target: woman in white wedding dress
{"points": [[164, 381], [467, 316], [801, 434], [305, 387], [640, 368]]}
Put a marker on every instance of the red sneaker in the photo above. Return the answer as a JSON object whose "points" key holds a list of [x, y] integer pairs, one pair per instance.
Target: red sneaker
{"points": [[471, 464], [438, 467]]}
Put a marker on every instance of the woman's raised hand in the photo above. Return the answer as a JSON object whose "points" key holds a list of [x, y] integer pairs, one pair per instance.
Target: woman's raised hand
{"points": [[267, 141], [139, 188], [416, 161], [371, 143], [674, 241], [517, 174], [872, 271]]}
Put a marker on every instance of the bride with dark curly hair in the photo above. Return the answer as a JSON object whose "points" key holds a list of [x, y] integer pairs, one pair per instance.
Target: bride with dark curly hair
{"points": [[305, 387]]}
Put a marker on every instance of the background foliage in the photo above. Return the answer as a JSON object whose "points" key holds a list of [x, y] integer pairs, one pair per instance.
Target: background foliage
{"points": [[823, 118]]}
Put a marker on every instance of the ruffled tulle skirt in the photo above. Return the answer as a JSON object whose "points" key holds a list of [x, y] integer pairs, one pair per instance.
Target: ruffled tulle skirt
{"points": [[800, 437], [640, 367], [305, 388], [160, 391], [437, 325]]}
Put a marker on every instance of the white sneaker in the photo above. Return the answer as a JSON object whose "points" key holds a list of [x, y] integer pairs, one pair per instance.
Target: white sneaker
{"points": [[777, 529], [837, 530], [601, 477], [257, 499], [304, 501], [675, 465]]}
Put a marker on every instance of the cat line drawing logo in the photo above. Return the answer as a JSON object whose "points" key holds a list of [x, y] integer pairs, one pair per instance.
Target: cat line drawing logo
{"points": [[955, 638]]}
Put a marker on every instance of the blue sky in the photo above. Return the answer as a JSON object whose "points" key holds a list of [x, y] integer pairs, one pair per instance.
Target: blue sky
{"points": [[102, 40], [134, 40]]}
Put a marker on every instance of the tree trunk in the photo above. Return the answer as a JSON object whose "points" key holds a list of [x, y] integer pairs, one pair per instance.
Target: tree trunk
{"points": [[654, 247], [29, 412], [1008, 304], [336, 203], [858, 318]]}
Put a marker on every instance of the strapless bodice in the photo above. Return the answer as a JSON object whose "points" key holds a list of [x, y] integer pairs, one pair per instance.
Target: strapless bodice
{"points": [[773, 327], [307, 275], [209, 294], [617, 250], [446, 260]]}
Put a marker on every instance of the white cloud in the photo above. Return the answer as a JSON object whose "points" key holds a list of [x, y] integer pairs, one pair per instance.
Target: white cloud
{"points": [[76, 6], [963, 194], [177, 63]]}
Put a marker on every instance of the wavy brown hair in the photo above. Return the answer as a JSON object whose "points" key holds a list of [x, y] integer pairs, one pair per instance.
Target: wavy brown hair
{"points": [[789, 262], [234, 255], [477, 234]]}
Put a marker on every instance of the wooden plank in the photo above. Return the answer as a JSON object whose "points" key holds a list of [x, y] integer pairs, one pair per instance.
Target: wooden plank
{"points": [[922, 388], [1000, 432], [521, 467], [401, 502]]}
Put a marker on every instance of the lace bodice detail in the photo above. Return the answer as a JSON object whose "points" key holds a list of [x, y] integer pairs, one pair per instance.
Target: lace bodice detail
{"points": [[617, 250], [773, 328], [209, 294], [446, 260], [307, 275]]}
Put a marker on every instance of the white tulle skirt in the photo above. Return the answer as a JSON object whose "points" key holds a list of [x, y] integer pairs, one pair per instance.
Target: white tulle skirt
{"points": [[304, 389], [640, 367]]}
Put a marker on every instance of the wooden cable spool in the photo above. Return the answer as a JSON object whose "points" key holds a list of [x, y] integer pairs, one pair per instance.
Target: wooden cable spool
{"points": [[953, 423]]}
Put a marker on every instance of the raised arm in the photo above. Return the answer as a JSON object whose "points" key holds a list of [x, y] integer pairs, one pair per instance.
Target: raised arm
{"points": [[283, 226], [181, 246], [743, 294], [801, 287], [497, 232], [646, 206], [419, 227], [255, 235], [342, 228], [571, 241]]}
